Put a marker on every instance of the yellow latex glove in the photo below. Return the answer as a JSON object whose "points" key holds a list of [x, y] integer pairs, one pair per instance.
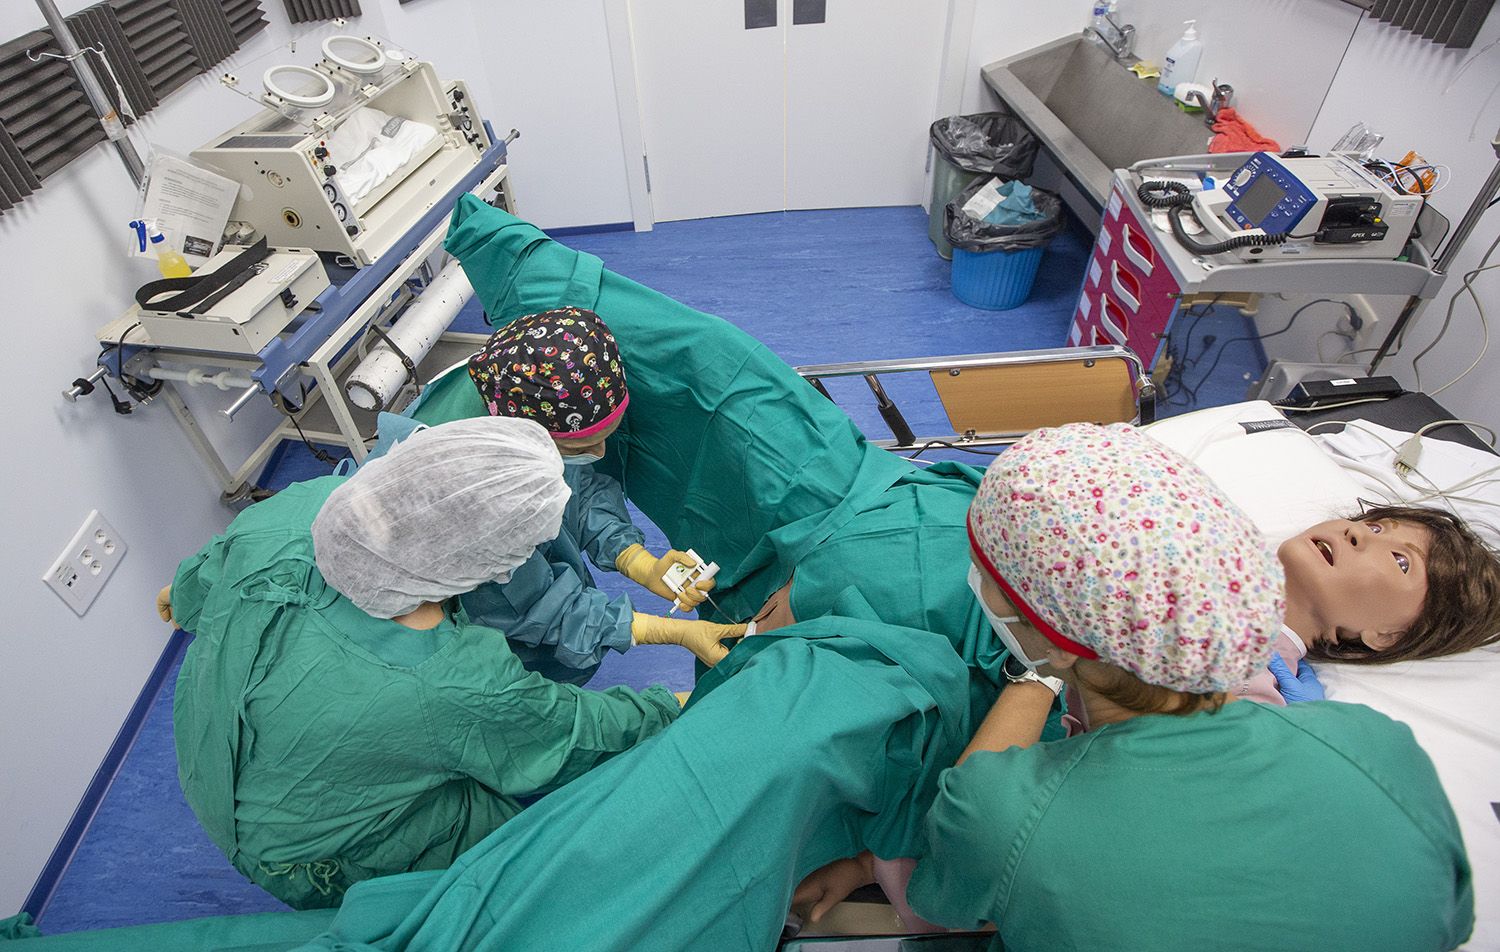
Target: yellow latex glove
{"points": [[682, 697], [164, 603], [700, 637], [647, 571]]}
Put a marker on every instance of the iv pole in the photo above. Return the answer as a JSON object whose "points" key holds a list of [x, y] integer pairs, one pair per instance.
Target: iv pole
{"points": [[1482, 201], [114, 127]]}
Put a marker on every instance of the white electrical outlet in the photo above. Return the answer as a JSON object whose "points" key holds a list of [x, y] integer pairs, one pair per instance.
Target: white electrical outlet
{"points": [[86, 564]]}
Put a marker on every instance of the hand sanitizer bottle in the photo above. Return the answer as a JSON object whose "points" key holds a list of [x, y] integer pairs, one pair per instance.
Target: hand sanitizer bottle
{"points": [[1181, 64]]}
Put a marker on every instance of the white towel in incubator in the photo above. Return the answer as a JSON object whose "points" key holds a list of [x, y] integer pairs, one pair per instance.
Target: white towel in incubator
{"points": [[370, 145]]}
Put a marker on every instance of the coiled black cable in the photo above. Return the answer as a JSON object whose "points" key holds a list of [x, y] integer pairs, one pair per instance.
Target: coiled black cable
{"points": [[1175, 198]]}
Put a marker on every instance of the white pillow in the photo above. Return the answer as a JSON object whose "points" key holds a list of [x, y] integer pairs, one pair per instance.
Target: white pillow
{"points": [[1275, 472]]}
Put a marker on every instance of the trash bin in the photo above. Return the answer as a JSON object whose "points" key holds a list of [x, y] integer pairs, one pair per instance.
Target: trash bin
{"points": [[968, 147], [995, 265]]}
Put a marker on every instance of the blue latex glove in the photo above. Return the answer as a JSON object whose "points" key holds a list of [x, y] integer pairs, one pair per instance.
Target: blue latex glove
{"points": [[1302, 686]]}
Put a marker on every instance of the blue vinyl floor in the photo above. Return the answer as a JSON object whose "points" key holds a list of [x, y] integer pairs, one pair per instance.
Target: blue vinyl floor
{"points": [[816, 287]]}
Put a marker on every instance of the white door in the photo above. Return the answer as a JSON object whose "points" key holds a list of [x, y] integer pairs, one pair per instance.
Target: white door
{"points": [[712, 97], [800, 115], [862, 88]]}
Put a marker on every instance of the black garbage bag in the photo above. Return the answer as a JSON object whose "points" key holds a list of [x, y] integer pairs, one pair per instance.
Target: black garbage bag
{"points": [[992, 143], [975, 234]]}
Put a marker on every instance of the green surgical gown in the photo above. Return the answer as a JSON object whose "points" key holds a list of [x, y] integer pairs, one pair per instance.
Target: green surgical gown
{"points": [[724, 446], [731, 453], [804, 745], [319, 746], [1317, 827]]}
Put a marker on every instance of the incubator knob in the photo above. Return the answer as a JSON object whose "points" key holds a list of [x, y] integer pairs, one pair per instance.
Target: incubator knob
{"points": [[320, 153], [329, 170], [352, 230]]}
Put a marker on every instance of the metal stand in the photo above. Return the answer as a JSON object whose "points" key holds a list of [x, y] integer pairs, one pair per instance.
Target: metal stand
{"points": [[325, 416], [1487, 195]]}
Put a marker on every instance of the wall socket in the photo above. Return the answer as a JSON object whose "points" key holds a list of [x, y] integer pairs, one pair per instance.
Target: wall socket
{"points": [[86, 564]]}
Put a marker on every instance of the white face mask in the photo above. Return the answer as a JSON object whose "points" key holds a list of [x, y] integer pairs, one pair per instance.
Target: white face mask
{"points": [[582, 459], [1001, 626]]}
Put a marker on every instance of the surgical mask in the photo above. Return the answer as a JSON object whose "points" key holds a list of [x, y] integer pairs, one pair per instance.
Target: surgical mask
{"points": [[582, 459], [1001, 625]]}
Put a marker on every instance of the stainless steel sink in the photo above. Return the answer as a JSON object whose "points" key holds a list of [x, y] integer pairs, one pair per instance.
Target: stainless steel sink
{"points": [[1092, 113]]}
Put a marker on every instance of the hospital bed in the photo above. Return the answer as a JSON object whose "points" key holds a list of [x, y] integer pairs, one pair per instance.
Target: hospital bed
{"points": [[1286, 479], [995, 399]]}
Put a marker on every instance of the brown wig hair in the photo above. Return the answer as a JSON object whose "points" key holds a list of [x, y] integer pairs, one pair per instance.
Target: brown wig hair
{"points": [[1125, 689], [1462, 608]]}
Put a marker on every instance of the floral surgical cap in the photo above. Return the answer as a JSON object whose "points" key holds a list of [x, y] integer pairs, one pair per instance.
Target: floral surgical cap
{"points": [[560, 368], [449, 508], [1119, 549]]}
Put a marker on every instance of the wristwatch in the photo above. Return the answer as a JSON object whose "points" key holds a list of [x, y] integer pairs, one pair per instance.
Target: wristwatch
{"points": [[1055, 685]]}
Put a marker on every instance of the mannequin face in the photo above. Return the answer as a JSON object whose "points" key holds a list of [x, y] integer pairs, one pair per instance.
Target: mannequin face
{"points": [[1348, 580]]}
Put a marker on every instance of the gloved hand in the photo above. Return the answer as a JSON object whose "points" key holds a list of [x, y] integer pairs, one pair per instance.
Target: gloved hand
{"points": [[700, 637], [830, 885], [1302, 686], [682, 697], [647, 571], [164, 603]]}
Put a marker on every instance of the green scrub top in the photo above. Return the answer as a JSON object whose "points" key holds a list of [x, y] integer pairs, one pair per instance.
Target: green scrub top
{"points": [[724, 447], [320, 746], [1318, 826]]}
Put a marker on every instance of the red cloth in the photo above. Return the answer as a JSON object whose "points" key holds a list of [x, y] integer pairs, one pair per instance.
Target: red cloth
{"points": [[1237, 135]]}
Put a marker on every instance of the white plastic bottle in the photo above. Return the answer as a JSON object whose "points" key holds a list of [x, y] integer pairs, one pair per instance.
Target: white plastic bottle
{"points": [[1097, 25], [1181, 64]]}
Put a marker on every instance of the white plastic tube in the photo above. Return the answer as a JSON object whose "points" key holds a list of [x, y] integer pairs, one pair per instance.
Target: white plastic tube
{"points": [[379, 377]]}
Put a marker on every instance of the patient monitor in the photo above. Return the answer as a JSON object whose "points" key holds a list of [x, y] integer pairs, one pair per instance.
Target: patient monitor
{"points": [[347, 153], [1325, 207]]}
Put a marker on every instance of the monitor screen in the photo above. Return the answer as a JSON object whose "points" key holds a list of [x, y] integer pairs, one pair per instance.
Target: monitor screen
{"points": [[1257, 201]]}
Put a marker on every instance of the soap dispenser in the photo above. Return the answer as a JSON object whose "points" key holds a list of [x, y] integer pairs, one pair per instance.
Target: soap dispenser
{"points": [[1181, 61]]}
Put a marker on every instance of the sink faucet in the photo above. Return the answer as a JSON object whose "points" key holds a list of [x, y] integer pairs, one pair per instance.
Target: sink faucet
{"points": [[1119, 40], [1222, 92]]}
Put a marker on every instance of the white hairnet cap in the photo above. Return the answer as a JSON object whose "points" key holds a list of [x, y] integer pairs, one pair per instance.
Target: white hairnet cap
{"points": [[448, 509]]}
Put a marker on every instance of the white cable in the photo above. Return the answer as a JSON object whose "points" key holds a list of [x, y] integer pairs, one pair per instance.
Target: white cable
{"points": [[1437, 423], [1467, 285], [1434, 492]]}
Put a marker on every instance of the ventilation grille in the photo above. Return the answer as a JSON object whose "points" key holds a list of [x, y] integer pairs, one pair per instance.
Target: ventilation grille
{"points": [[153, 48], [306, 11], [246, 18], [16, 178], [208, 30], [1453, 23], [42, 105], [160, 41], [98, 27]]}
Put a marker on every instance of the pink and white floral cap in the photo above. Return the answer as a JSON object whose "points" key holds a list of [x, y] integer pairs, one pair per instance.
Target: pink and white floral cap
{"points": [[1118, 549]]}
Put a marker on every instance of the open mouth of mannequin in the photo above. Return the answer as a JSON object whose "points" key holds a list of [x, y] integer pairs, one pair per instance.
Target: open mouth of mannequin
{"points": [[1324, 549]]}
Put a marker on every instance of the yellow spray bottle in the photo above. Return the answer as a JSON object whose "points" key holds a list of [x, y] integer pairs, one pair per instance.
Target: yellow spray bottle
{"points": [[169, 261]]}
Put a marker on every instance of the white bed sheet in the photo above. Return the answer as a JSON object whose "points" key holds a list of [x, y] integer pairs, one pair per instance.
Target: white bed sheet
{"points": [[1286, 480]]}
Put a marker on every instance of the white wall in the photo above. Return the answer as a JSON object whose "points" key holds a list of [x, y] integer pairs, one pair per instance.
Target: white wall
{"points": [[1006, 27], [1279, 55], [542, 68], [66, 683], [1412, 91]]}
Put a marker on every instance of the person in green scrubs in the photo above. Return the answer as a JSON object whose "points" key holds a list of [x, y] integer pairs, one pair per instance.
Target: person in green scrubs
{"points": [[338, 715], [1177, 820]]}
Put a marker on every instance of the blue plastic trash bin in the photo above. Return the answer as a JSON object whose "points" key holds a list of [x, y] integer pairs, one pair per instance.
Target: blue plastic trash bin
{"points": [[995, 280]]}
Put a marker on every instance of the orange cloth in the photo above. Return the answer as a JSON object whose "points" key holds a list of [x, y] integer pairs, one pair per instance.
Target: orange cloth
{"points": [[1237, 135]]}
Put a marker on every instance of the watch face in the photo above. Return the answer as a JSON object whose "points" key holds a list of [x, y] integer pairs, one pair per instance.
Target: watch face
{"points": [[1014, 669]]}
